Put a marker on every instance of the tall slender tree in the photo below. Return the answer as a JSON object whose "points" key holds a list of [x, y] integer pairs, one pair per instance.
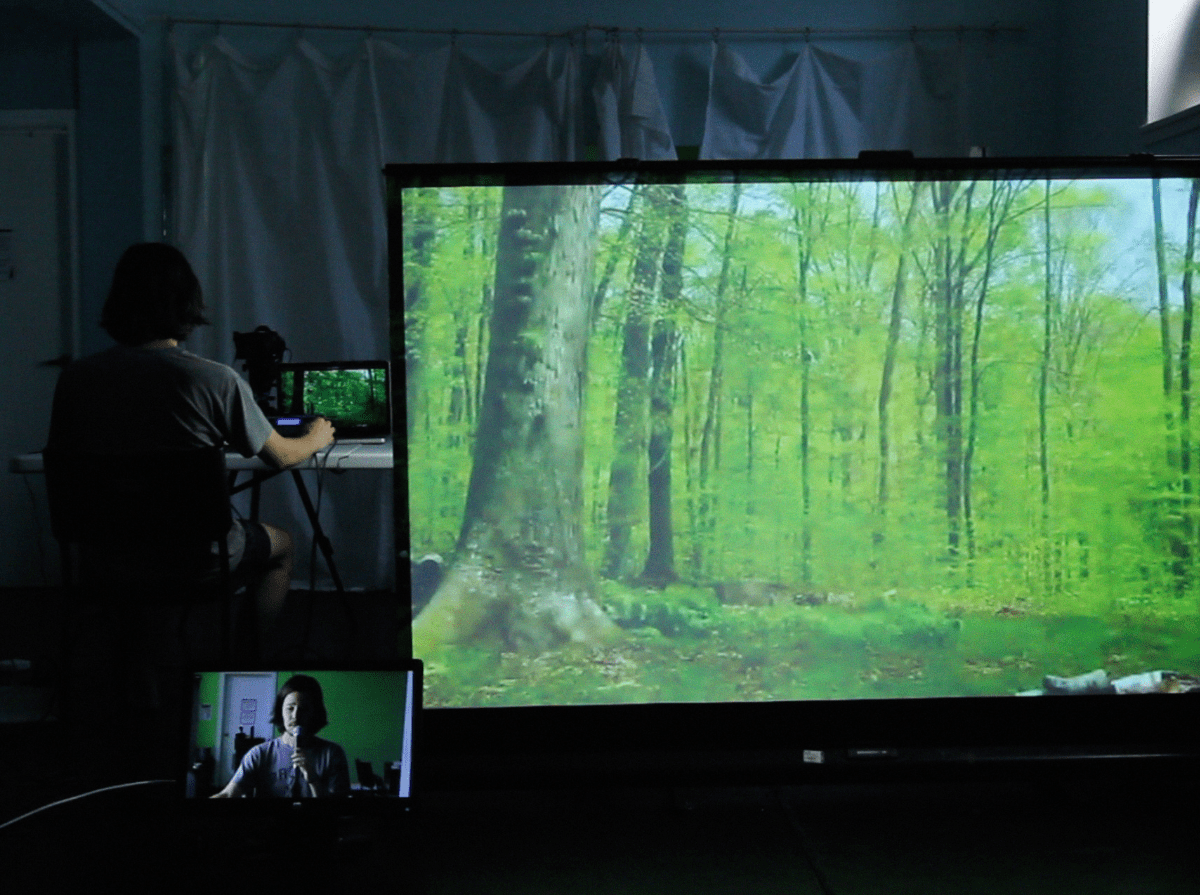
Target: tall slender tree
{"points": [[1044, 392], [810, 215], [1186, 324], [659, 569], [1164, 317], [631, 421], [709, 460], [1000, 205], [419, 237], [891, 349]]}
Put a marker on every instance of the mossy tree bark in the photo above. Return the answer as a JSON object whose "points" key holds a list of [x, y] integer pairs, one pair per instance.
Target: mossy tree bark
{"points": [[519, 579]]}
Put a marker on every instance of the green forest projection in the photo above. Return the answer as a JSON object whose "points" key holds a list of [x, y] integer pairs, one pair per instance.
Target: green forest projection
{"points": [[348, 397], [834, 439]]}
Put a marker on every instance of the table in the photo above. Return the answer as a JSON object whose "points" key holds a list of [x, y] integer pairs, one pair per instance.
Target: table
{"points": [[340, 456], [343, 455]]}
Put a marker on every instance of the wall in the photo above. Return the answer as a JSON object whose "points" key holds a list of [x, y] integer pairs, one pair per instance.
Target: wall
{"points": [[36, 73], [110, 171], [69, 57], [93, 70], [1101, 98]]}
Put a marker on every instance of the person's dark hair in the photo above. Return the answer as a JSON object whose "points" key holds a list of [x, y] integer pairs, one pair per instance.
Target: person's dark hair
{"points": [[301, 683], [154, 295]]}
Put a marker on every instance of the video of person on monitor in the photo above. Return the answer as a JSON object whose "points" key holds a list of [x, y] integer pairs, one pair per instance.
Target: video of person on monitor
{"points": [[791, 437], [302, 734]]}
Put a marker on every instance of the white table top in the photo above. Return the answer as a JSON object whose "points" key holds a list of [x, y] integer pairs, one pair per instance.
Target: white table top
{"points": [[353, 455]]}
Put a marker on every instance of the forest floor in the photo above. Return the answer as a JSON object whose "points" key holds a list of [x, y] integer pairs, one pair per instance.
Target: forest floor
{"points": [[682, 645]]}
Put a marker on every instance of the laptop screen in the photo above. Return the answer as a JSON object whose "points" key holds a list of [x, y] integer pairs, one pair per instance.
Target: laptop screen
{"points": [[354, 395], [356, 730]]}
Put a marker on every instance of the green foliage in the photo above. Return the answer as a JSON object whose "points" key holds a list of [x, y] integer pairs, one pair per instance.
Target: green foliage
{"points": [[672, 612], [351, 397]]}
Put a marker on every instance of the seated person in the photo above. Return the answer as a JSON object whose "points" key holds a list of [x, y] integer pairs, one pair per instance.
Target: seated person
{"points": [[148, 394], [295, 764]]}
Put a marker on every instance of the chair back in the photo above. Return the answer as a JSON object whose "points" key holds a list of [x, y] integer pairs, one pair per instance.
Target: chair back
{"points": [[169, 505]]}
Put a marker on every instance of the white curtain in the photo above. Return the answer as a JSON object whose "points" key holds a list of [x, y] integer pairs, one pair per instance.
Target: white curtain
{"points": [[278, 200], [631, 119], [278, 197], [825, 105]]}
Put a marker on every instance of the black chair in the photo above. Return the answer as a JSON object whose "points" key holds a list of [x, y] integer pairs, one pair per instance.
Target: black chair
{"points": [[367, 778], [139, 530]]}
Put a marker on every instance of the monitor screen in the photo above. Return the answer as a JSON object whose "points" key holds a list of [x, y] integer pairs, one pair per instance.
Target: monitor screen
{"points": [[811, 432], [354, 395], [356, 728]]}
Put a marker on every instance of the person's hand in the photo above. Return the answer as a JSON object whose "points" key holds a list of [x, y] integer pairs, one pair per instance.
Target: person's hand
{"points": [[300, 761], [321, 431]]}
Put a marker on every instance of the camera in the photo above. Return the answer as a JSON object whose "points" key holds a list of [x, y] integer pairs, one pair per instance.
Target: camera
{"points": [[262, 351]]}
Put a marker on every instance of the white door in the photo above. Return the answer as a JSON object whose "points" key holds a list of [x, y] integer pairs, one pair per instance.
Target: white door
{"points": [[38, 322], [247, 700]]}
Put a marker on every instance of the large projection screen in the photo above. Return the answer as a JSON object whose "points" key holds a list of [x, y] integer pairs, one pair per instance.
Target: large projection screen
{"points": [[812, 433]]}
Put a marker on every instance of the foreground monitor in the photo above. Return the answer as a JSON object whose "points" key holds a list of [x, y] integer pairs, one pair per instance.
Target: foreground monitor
{"points": [[858, 459], [357, 728]]}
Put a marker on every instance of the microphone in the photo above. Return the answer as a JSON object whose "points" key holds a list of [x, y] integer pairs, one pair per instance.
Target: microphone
{"points": [[298, 787]]}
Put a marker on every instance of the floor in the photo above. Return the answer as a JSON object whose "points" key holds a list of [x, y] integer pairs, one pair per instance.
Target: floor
{"points": [[1096, 830]]}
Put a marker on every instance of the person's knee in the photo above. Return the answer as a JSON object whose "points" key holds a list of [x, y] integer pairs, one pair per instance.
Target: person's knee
{"points": [[282, 547]]}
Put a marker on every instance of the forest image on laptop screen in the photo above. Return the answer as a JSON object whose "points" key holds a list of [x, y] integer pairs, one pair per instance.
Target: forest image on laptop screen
{"points": [[692, 435], [352, 396]]}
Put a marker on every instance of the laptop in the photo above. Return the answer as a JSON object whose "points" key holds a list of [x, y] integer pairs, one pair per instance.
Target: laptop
{"points": [[354, 395], [373, 717]]}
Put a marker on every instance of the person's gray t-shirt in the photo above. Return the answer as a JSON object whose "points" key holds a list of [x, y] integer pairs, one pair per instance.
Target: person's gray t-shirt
{"points": [[135, 400], [128, 400], [267, 769]]}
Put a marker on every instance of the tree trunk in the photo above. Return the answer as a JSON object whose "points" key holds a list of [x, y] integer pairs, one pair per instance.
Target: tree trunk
{"points": [[999, 205], [659, 570], [804, 220], [1043, 398], [710, 435], [889, 364], [420, 230], [631, 424], [519, 579], [949, 275], [1185, 389], [1164, 320]]}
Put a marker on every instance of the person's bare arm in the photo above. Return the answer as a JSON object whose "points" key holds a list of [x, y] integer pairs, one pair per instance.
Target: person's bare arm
{"points": [[283, 452], [230, 791]]}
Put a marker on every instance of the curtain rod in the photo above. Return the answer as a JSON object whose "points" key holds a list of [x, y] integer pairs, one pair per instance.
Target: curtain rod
{"points": [[614, 31]]}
